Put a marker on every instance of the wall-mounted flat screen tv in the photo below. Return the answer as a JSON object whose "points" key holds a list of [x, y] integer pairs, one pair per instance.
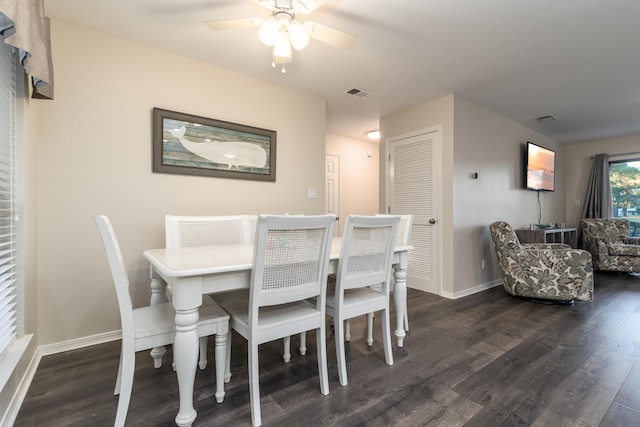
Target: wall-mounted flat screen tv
{"points": [[540, 167]]}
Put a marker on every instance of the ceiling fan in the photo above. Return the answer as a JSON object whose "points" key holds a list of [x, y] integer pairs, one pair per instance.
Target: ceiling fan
{"points": [[283, 30]]}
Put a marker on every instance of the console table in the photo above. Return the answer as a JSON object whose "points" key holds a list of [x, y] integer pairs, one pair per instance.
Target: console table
{"points": [[551, 235]]}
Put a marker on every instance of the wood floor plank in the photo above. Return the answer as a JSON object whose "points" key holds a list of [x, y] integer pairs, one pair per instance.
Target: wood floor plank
{"points": [[620, 415], [485, 360], [585, 396]]}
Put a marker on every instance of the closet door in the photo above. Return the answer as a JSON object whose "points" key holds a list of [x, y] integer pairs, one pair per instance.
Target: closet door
{"points": [[412, 190]]}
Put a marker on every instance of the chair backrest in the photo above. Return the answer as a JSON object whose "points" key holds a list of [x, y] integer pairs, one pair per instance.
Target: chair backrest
{"points": [[188, 231], [291, 257], [503, 236], [366, 253], [403, 237], [119, 274], [605, 227]]}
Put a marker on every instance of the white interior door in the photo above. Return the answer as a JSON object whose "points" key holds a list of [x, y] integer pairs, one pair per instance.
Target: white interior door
{"points": [[332, 190], [413, 190]]}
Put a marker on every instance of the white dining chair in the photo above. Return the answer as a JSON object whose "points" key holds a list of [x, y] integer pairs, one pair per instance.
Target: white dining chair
{"points": [[290, 262], [189, 231], [402, 239], [153, 326], [365, 264]]}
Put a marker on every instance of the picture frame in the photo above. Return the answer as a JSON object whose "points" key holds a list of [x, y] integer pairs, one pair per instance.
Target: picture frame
{"points": [[187, 144]]}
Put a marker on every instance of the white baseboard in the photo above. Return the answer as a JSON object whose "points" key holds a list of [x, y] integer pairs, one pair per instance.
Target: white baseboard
{"points": [[11, 413], [75, 344], [473, 290]]}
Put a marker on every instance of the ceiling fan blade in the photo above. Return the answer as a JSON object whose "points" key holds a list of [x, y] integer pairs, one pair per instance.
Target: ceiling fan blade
{"points": [[330, 35], [306, 6], [234, 24]]}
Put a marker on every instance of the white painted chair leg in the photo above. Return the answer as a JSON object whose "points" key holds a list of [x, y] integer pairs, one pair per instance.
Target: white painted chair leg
{"points": [[347, 330], [303, 343], [322, 361], [369, 329], [220, 351], [386, 337], [126, 385], [406, 318], [203, 353], [287, 349], [254, 385], [227, 360], [340, 352], [116, 390]]}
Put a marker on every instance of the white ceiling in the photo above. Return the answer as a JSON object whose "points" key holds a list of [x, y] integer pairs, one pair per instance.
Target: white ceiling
{"points": [[578, 60]]}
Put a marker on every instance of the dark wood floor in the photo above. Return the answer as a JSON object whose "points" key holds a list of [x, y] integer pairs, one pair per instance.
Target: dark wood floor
{"points": [[485, 360]]}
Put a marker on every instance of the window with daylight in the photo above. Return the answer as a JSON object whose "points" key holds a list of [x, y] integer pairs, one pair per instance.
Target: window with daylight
{"points": [[624, 177], [13, 343]]}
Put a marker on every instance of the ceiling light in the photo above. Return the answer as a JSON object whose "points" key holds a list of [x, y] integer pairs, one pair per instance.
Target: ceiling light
{"points": [[374, 134], [297, 34], [282, 47], [269, 31], [282, 31]]}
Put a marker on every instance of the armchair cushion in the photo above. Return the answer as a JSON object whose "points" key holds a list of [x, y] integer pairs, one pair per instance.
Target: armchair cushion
{"points": [[546, 271], [622, 249], [609, 244]]}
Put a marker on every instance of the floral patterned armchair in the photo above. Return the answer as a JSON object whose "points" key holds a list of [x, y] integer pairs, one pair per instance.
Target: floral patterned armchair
{"points": [[610, 245], [542, 271]]}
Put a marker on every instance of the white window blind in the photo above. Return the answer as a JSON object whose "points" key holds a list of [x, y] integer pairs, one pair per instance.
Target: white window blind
{"points": [[8, 174]]}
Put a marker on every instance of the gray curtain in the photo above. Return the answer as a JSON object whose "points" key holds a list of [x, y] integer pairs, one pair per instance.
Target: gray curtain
{"points": [[24, 25], [597, 202]]}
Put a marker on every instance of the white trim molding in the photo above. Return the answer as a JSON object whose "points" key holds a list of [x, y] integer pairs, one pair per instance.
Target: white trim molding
{"points": [[474, 290]]}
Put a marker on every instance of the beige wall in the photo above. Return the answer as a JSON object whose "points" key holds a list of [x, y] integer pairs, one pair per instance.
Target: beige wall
{"points": [[579, 164], [94, 157], [492, 146], [475, 139], [359, 174]]}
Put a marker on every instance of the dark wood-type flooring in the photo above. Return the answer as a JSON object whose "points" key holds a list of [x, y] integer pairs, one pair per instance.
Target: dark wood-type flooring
{"points": [[488, 359]]}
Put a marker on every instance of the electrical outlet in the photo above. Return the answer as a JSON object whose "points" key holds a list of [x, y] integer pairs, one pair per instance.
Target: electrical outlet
{"points": [[484, 264]]}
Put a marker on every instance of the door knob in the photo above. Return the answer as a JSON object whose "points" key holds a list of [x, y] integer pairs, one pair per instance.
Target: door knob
{"points": [[432, 221]]}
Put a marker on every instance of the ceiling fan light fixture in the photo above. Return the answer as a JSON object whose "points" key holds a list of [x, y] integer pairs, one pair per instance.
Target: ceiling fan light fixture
{"points": [[282, 47], [269, 4], [300, 7], [269, 31], [298, 35]]}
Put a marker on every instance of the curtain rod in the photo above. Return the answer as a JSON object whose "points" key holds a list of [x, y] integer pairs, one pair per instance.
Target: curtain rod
{"points": [[635, 153]]}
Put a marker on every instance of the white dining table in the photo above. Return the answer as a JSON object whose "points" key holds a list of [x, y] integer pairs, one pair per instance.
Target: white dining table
{"points": [[196, 271]]}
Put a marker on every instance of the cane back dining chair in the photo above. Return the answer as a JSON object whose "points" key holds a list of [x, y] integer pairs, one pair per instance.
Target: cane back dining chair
{"points": [[363, 279], [403, 237], [189, 231], [290, 263], [153, 326]]}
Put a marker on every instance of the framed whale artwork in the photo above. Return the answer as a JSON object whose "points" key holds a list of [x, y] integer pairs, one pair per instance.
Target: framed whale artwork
{"points": [[193, 145]]}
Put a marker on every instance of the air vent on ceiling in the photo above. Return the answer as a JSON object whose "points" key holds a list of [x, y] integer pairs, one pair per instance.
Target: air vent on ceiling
{"points": [[545, 119], [357, 93]]}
